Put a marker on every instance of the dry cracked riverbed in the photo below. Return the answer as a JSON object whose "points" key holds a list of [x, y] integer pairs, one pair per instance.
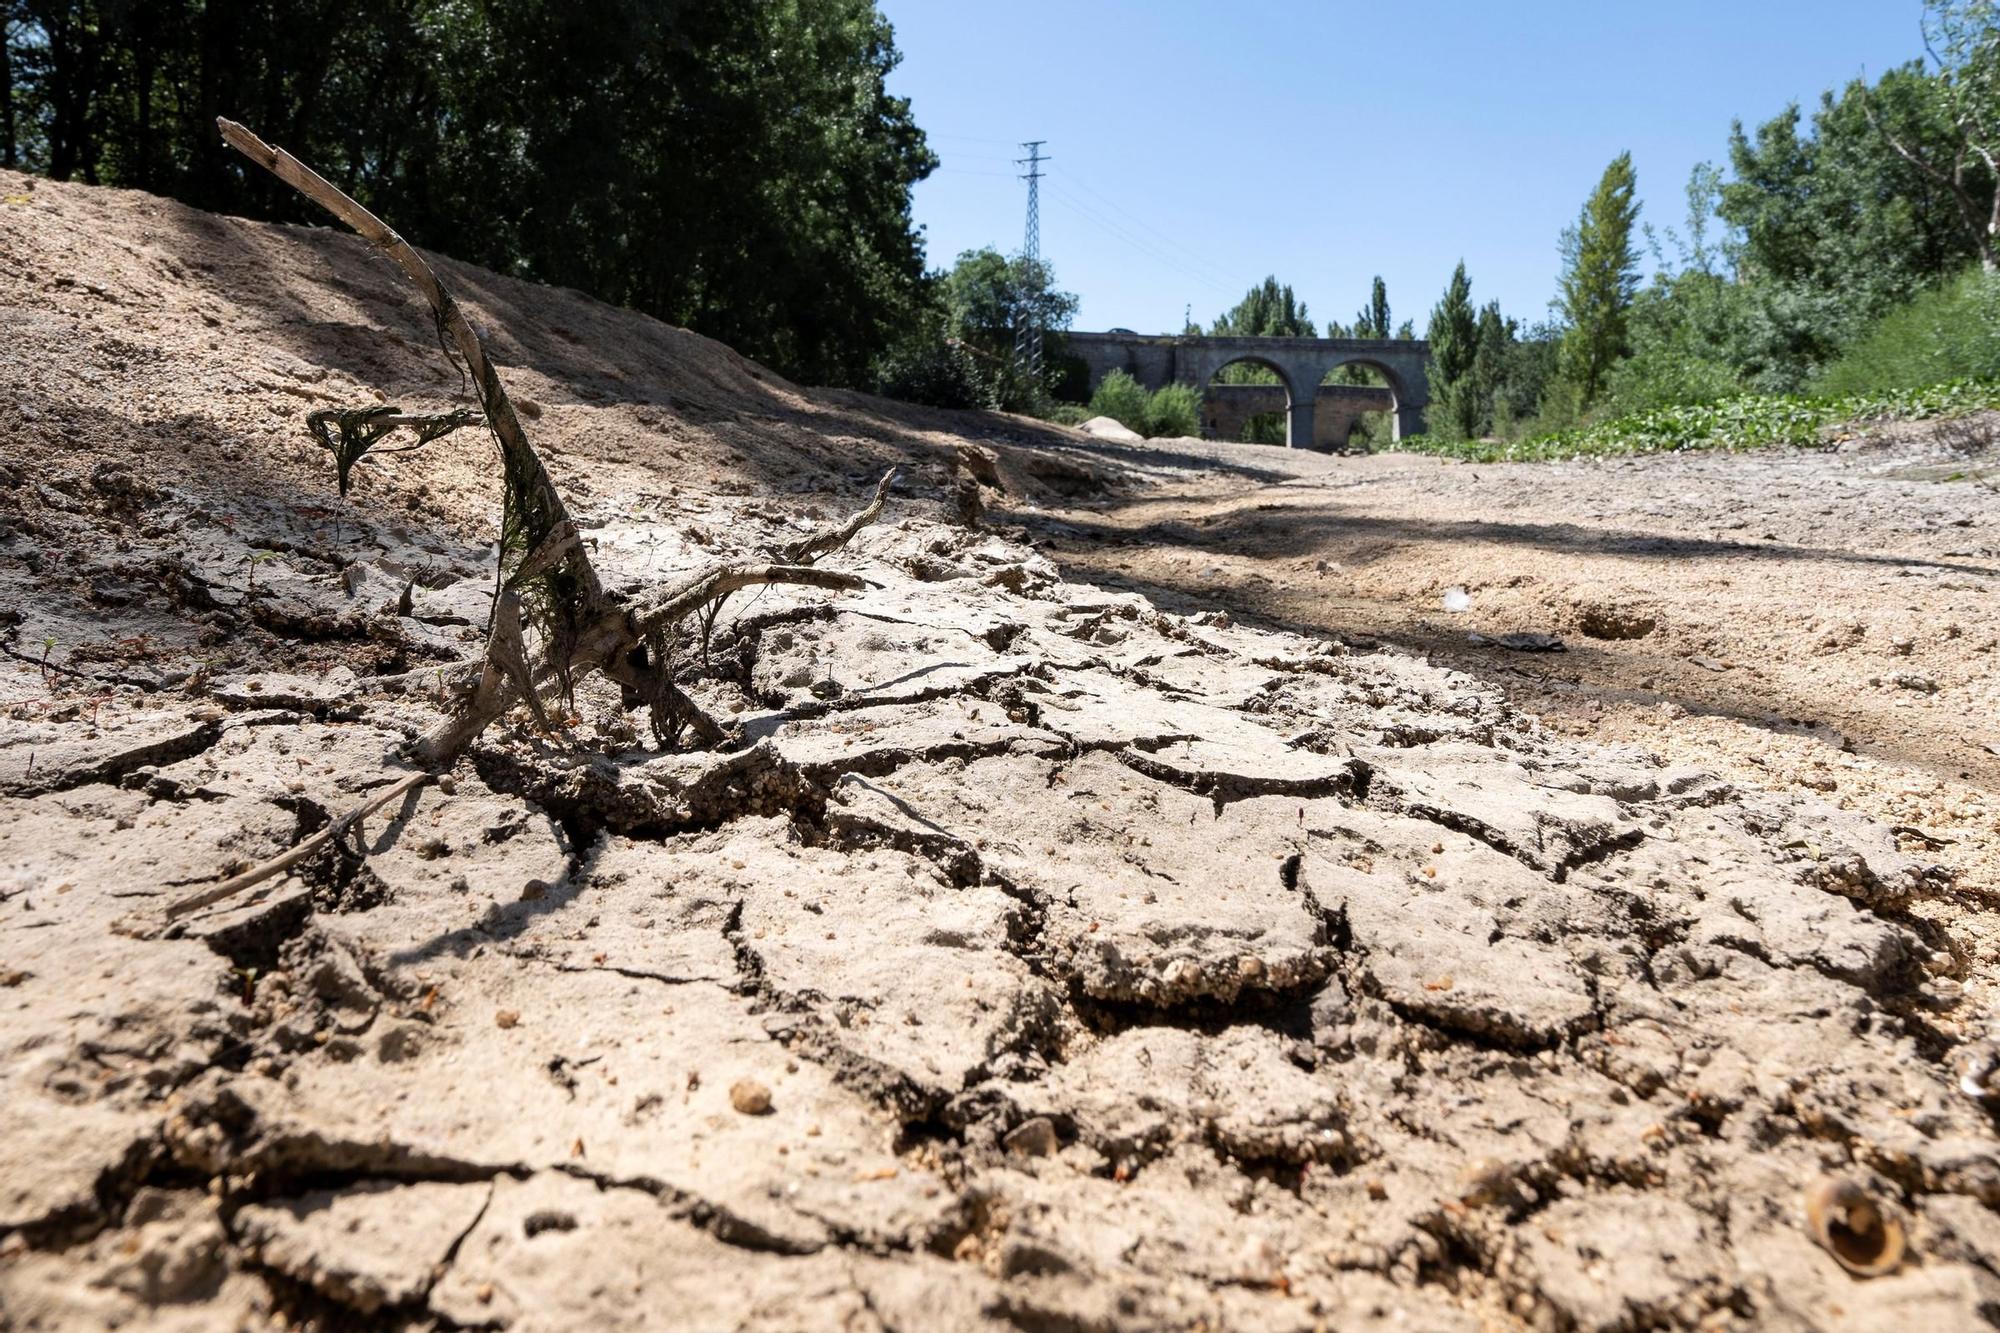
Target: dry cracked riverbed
{"points": [[1035, 958], [1031, 957]]}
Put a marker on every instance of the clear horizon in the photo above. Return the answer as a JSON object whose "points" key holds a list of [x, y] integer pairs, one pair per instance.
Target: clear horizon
{"points": [[1196, 150]]}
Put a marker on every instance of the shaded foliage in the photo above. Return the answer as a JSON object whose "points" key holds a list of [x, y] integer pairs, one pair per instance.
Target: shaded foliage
{"points": [[739, 168]]}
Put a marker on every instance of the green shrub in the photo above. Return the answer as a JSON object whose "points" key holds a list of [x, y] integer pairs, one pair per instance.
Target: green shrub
{"points": [[1948, 332], [1067, 414], [1119, 397], [936, 372], [1667, 376], [1747, 421], [1174, 411]]}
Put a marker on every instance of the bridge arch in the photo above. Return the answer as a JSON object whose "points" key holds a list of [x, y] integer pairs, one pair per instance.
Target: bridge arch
{"points": [[1347, 400], [1229, 406]]}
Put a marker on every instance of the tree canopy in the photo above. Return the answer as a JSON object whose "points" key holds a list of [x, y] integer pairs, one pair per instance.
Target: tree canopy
{"points": [[1600, 274], [1268, 310], [1454, 338], [739, 167]]}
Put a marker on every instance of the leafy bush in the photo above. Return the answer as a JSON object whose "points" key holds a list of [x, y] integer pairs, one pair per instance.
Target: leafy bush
{"points": [[1174, 410], [1667, 376], [936, 372], [1747, 421], [1948, 332], [1120, 397], [1067, 414]]}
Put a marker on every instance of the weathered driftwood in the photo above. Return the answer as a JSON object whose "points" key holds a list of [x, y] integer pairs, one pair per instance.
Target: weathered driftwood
{"points": [[546, 579]]}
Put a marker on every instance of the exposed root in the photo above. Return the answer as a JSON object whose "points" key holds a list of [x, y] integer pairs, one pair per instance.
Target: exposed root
{"points": [[544, 567]]}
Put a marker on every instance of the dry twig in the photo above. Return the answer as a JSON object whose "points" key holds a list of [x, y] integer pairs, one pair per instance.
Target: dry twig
{"points": [[284, 861]]}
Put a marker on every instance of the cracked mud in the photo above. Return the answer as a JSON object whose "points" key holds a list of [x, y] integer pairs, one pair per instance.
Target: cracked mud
{"points": [[1030, 956]]}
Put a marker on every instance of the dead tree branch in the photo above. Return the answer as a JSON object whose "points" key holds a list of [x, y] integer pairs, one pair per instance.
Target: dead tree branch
{"points": [[546, 582], [809, 549]]}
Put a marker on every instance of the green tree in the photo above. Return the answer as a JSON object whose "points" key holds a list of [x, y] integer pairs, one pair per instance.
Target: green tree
{"points": [[740, 169], [1689, 329], [1372, 320], [986, 295], [1600, 274], [1268, 310], [1963, 37], [1836, 226], [1454, 339], [1524, 382], [1493, 347]]}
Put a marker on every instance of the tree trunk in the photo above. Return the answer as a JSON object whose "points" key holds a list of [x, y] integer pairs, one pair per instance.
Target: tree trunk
{"points": [[10, 150], [145, 56], [62, 76], [1989, 249]]}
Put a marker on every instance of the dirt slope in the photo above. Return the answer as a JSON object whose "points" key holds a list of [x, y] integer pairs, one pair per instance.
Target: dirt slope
{"points": [[1033, 956]]}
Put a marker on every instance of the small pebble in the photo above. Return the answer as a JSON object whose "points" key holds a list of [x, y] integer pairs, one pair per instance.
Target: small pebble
{"points": [[750, 1097], [1033, 1138]]}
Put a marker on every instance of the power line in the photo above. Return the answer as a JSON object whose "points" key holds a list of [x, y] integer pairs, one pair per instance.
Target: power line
{"points": [[1118, 233], [1195, 257], [970, 138], [1115, 229]]}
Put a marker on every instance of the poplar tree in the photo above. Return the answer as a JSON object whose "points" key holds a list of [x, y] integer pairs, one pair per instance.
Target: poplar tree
{"points": [[1454, 340], [1269, 310], [1599, 278], [1372, 321], [1489, 363]]}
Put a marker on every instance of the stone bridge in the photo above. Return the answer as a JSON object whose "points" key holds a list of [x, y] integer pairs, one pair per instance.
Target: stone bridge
{"points": [[1227, 408], [1299, 363]]}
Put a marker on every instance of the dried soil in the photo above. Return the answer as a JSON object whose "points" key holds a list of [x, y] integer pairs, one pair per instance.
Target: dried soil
{"points": [[1039, 953]]}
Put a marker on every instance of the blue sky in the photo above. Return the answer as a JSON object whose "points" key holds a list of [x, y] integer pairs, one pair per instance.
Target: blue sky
{"points": [[1200, 146]]}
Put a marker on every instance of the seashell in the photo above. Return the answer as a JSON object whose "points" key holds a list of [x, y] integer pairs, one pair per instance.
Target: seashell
{"points": [[1864, 1234]]}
